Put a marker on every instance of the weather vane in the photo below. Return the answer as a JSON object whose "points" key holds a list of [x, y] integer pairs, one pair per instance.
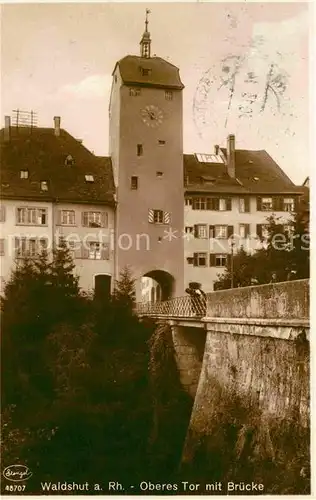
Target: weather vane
{"points": [[146, 21]]}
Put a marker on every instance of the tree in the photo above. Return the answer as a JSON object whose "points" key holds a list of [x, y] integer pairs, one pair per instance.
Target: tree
{"points": [[124, 294], [284, 255]]}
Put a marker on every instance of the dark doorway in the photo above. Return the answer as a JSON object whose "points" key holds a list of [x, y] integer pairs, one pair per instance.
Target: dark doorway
{"points": [[102, 287], [165, 282]]}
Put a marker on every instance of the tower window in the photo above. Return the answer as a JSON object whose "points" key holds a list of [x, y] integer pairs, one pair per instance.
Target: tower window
{"points": [[44, 186], [161, 143], [159, 174], [146, 71], [69, 160], [139, 150], [24, 174], [89, 178], [168, 95], [134, 92], [134, 182], [115, 78]]}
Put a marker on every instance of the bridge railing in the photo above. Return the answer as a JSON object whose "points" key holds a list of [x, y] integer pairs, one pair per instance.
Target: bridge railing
{"points": [[178, 307]]}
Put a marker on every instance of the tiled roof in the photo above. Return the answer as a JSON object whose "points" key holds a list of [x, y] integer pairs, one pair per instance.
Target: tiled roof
{"points": [[43, 155], [256, 172], [161, 72]]}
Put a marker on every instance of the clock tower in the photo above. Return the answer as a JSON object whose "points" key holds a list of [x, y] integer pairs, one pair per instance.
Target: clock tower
{"points": [[146, 148]]}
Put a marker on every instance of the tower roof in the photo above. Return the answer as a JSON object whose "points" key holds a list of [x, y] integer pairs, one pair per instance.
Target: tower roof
{"points": [[160, 73]]}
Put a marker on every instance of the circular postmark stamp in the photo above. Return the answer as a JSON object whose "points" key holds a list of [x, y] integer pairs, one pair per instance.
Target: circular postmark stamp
{"points": [[239, 88]]}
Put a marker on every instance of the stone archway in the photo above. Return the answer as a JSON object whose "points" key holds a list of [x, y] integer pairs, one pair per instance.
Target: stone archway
{"points": [[165, 282]]}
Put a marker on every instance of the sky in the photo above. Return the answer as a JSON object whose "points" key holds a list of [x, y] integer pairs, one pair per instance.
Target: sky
{"points": [[245, 67]]}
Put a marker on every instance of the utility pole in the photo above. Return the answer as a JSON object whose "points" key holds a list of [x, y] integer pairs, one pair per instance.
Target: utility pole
{"points": [[232, 244]]}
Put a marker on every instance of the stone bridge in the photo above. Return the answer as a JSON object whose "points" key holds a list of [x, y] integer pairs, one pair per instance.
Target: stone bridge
{"points": [[247, 343]]}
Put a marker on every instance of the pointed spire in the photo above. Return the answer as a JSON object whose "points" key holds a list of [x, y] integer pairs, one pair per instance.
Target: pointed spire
{"points": [[145, 41]]}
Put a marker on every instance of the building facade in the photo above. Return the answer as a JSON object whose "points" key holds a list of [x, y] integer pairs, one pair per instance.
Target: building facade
{"points": [[172, 218]]}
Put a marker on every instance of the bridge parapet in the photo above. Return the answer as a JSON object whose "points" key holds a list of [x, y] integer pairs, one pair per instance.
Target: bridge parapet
{"points": [[180, 307]]}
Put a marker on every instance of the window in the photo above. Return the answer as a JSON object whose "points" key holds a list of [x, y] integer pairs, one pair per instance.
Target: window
{"points": [[288, 204], [188, 202], [189, 229], [1, 246], [115, 78], [139, 150], [200, 231], [244, 205], [2, 213], [134, 92], [159, 216], [69, 161], [134, 182], [67, 217], [244, 230], [94, 219], [44, 186], [263, 231], [221, 232], [225, 204], [220, 260], [199, 259], [289, 229], [264, 204], [146, 71], [29, 247], [161, 143], [94, 250], [168, 95], [89, 178], [199, 203], [159, 174], [24, 174], [32, 216]]}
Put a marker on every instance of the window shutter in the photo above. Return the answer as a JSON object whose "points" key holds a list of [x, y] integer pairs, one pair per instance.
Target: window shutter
{"points": [[59, 217], [247, 230], [84, 251], [229, 261], [247, 204], [151, 215], [16, 246], [259, 203], [2, 213], [230, 231], [78, 250], [1, 246], [212, 231], [276, 203], [195, 259], [228, 203], [166, 218], [212, 259], [215, 203], [105, 254], [104, 219], [84, 219], [196, 231], [259, 230]]}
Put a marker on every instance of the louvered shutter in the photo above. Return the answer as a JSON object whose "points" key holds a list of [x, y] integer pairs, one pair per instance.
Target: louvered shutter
{"points": [[215, 203], [247, 230], [212, 231], [259, 230], [228, 203], [1, 246], [151, 215], [78, 250], [85, 251], [84, 219], [229, 261], [230, 231], [247, 204], [104, 219], [259, 203], [212, 259], [16, 246], [2, 213], [195, 259], [166, 218], [196, 231], [59, 217], [105, 252]]}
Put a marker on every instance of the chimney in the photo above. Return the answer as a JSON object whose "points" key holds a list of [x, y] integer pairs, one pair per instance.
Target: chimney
{"points": [[231, 156], [7, 128], [216, 149], [57, 125]]}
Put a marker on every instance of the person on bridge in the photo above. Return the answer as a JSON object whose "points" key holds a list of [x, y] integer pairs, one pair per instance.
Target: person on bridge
{"points": [[198, 298]]}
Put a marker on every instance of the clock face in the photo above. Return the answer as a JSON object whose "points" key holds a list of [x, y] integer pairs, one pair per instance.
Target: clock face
{"points": [[152, 116]]}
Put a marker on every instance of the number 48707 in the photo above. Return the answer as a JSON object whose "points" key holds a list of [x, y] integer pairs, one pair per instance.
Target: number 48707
{"points": [[15, 487]]}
